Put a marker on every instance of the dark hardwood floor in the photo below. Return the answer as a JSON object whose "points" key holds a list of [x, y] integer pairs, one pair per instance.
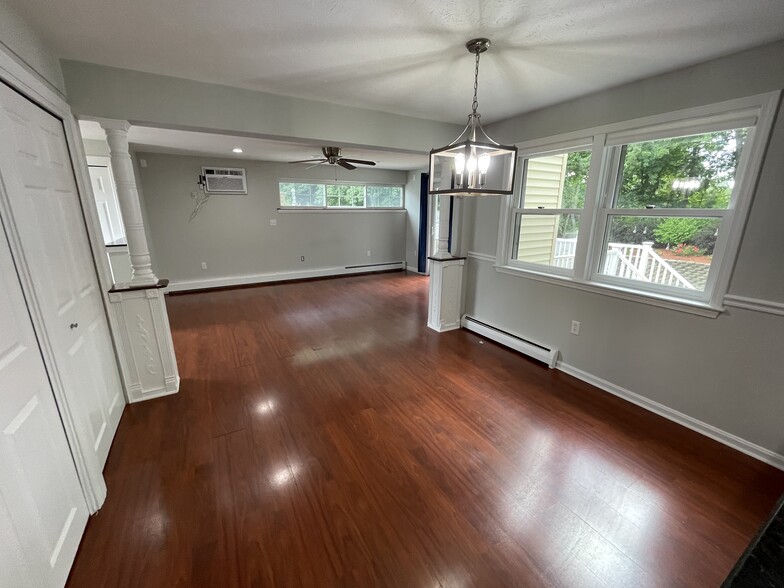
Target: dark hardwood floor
{"points": [[323, 436]]}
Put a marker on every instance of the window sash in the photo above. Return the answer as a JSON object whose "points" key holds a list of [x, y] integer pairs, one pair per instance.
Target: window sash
{"points": [[327, 206], [593, 144], [514, 242]]}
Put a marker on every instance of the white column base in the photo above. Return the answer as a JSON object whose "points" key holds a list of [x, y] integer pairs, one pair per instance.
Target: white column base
{"points": [[446, 291], [144, 343]]}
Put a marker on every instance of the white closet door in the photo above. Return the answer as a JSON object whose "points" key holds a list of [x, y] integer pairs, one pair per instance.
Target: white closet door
{"points": [[42, 509], [37, 173], [108, 207]]}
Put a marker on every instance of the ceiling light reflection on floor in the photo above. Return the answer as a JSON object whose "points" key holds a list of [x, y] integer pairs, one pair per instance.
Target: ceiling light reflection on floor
{"points": [[266, 406], [284, 475]]}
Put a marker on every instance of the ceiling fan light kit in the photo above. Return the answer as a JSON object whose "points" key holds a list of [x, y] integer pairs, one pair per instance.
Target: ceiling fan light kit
{"points": [[332, 156], [473, 164]]}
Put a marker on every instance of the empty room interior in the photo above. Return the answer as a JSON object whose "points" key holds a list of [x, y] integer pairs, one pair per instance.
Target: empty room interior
{"points": [[407, 294]]}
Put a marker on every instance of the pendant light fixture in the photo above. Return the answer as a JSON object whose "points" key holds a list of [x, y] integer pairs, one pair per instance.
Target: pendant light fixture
{"points": [[473, 164]]}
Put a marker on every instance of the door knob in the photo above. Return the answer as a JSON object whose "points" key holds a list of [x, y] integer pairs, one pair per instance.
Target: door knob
{"points": [[74, 325]]}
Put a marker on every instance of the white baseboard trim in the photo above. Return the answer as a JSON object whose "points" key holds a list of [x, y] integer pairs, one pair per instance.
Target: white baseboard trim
{"points": [[758, 304], [179, 286], [445, 327], [714, 433]]}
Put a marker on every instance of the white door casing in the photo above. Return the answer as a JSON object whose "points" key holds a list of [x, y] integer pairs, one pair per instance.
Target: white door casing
{"points": [[46, 216], [42, 508], [107, 205]]}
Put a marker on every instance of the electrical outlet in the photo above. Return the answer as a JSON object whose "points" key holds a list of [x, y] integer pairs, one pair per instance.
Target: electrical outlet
{"points": [[575, 327], [273, 222], [203, 265], [368, 252], [143, 162]]}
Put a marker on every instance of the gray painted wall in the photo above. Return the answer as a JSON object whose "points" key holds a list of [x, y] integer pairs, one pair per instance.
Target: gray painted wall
{"points": [[727, 371], [23, 42], [174, 102], [232, 233]]}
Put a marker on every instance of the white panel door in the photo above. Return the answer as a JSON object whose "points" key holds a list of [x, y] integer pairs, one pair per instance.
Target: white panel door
{"points": [[37, 173], [108, 207], [42, 509]]}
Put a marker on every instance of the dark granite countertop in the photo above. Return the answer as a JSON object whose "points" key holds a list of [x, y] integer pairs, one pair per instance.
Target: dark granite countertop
{"points": [[762, 564]]}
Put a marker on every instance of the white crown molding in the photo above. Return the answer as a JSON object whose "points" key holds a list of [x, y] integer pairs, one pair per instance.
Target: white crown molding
{"points": [[747, 447], [757, 304]]}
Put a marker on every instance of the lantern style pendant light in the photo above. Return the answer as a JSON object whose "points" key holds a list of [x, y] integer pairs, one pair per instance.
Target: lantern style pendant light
{"points": [[473, 164]]}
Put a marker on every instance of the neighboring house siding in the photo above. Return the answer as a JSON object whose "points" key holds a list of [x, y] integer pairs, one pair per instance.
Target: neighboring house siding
{"points": [[544, 186]]}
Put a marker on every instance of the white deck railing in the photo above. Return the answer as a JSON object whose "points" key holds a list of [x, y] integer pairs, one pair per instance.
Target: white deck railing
{"points": [[564, 253], [623, 260]]}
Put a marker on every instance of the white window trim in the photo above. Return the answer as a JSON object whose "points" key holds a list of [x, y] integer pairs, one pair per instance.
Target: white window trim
{"points": [[758, 111], [325, 208]]}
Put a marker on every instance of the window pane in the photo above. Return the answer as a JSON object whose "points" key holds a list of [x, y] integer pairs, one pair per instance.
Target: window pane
{"points": [[345, 195], [547, 239], [674, 251], [682, 172], [385, 196], [557, 181], [293, 194]]}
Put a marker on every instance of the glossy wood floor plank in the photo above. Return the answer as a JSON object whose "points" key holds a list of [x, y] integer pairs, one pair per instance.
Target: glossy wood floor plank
{"points": [[323, 436]]}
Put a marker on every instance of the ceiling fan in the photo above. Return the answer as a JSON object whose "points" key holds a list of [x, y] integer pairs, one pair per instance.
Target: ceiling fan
{"points": [[332, 157]]}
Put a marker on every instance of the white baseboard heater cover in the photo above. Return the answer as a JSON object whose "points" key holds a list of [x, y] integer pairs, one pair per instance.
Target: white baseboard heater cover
{"points": [[536, 350]]}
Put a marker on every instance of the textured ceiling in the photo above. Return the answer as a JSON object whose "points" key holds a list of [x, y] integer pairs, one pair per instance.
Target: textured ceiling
{"points": [[156, 140], [406, 56]]}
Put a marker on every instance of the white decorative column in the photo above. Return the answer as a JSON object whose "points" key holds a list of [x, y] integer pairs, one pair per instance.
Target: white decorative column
{"points": [[144, 342], [446, 279], [128, 198]]}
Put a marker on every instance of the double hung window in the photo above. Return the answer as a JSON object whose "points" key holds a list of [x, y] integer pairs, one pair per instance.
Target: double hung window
{"points": [[652, 208]]}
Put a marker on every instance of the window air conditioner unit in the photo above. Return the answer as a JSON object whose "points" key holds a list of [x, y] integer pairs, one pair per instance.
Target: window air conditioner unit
{"points": [[224, 180]]}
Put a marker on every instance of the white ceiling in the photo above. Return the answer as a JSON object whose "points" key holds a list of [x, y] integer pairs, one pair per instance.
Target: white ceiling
{"points": [[406, 57], [157, 140]]}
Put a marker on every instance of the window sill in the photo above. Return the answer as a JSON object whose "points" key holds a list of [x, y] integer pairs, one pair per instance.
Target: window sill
{"points": [[697, 308], [305, 209]]}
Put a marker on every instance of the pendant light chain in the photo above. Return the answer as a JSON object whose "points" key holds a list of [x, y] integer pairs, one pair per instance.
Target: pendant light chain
{"points": [[475, 103]]}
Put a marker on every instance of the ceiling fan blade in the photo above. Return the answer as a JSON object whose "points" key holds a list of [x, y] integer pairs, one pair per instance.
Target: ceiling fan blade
{"points": [[322, 162], [346, 164], [308, 161], [359, 161]]}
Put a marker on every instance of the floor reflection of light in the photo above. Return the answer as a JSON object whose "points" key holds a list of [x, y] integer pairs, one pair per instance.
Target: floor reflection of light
{"points": [[266, 406], [284, 475], [155, 527]]}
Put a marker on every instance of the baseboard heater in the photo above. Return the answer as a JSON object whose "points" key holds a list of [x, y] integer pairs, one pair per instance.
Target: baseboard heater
{"points": [[536, 350], [372, 265]]}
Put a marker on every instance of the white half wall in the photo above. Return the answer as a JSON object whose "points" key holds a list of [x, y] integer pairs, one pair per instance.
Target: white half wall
{"points": [[725, 373], [232, 234]]}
